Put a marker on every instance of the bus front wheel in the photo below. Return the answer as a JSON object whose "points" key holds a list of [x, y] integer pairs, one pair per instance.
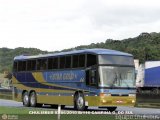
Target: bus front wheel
{"points": [[79, 102], [25, 99]]}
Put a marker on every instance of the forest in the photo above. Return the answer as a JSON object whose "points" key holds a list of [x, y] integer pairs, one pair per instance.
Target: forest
{"points": [[145, 47]]}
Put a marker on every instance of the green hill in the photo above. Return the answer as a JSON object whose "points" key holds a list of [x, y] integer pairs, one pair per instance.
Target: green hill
{"points": [[144, 47], [7, 55]]}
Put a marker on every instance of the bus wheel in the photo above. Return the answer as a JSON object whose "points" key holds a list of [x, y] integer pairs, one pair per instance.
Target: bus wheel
{"points": [[33, 99], [25, 99], [111, 109], [80, 102]]}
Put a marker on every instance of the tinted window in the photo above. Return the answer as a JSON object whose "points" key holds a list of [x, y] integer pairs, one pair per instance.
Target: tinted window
{"points": [[31, 65], [91, 60], [68, 62], [62, 62], [52, 63], [15, 66], [81, 61], [75, 61], [21, 65], [41, 64]]}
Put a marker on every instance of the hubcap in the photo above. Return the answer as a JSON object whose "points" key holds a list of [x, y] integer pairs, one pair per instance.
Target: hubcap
{"points": [[80, 102], [25, 99], [32, 100]]}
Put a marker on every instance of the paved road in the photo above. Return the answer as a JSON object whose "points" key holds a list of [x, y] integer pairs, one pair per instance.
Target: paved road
{"points": [[134, 110]]}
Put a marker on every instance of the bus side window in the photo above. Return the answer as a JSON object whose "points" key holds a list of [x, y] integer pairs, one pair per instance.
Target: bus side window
{"points": [[68, 62], [91, 60], [81, 60], [42, 64], [75, 61], [15, 66], [62, 62], [21, 65]]}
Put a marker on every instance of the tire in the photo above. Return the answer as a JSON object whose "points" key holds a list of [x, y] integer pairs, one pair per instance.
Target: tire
{"points": [[33, 99], [111, 109], [25, 99], [79, 102]]}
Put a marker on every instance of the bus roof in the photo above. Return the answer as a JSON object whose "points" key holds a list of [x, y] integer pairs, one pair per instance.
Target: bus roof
{"points": [[96, 51]]}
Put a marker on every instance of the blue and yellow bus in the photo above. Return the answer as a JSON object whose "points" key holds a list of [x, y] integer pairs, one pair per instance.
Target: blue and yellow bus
{"points": [[79, 78]]}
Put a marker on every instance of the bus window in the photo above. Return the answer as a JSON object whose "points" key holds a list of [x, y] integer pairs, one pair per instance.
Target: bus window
{"points": [[21, 65], [81, 61], [31, 65], [41, 64], [15, 66], [62, 62], [50, 63], [53, 63], [75, 61], [91, 60], [68, 62], [91, 77]]}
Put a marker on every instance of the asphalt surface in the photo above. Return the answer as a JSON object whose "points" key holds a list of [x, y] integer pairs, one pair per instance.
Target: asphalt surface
{"points": [[131, 110]]}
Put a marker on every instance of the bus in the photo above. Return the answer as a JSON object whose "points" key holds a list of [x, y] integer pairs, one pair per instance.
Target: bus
{"points": [[79, 78]]}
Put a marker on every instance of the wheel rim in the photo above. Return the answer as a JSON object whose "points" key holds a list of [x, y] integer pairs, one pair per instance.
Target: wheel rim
{"points": [[32, 99], [80, 102], [25, 99]]}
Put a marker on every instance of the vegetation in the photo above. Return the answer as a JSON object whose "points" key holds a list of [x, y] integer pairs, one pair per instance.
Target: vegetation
{"points": [[7, 55], [144, 47]]}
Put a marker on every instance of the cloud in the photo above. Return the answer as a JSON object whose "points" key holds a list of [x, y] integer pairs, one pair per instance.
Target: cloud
{"points": [[59, 24]]}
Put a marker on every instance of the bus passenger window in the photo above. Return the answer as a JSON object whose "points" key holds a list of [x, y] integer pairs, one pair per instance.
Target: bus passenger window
{"points": [[68, 62], [55, 63], [41, 64], [81, 61], [33, 63], [91, 60], [21, 65], [62, 62], [75, 61], [15, 66], [50, 63]]}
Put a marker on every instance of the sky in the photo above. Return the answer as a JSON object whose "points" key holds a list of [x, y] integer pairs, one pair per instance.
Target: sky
{"points": [[60, 24]]}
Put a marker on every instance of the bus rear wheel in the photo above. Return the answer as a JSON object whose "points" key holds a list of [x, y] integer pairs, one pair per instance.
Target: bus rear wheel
{"points": [[79, 102], [33, 100], [25, 99]]}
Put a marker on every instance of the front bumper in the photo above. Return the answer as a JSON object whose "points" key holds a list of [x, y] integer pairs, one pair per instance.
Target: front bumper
{"points": [[111, 101]]}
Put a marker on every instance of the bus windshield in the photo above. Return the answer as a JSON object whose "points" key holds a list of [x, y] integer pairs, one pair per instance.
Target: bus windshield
{"points": [[112, 76]]}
